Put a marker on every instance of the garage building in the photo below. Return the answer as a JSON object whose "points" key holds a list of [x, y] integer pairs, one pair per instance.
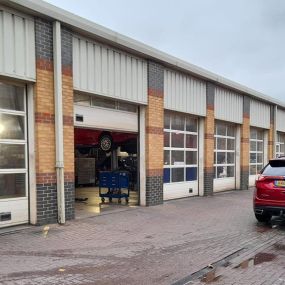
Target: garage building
{"points": [[77, 99]]}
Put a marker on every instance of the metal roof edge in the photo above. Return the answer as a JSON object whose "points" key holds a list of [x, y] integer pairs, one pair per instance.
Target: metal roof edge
{"points": [[49, 10]]}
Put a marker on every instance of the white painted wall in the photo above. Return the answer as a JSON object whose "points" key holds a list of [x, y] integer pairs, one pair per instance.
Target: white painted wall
{"points": [[223, 184], [32, 156], [102, 70], [184, 93], [228, 106], [201, 143], [280, 120], [179, 190], [142, 174], [19, 211], [17, 45], [259, 114], [107, 119]]}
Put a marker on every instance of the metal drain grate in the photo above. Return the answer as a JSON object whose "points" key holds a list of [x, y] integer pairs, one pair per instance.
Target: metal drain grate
{"points": [[199, 274]]}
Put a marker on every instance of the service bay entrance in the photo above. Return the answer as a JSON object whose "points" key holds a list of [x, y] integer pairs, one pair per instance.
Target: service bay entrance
{"points": [[106, 139], [13, 156]]}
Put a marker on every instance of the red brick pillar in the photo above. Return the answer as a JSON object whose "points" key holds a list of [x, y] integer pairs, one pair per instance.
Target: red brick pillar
{"points": [[154, 135], [245, 144], [44, 124], [209, 141]]}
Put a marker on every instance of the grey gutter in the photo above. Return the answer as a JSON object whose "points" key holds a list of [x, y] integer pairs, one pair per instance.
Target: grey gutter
{"points": [[94, 30]]}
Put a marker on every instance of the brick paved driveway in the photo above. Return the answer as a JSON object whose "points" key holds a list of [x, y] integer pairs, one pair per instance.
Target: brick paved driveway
{"points": [[157, 245]]}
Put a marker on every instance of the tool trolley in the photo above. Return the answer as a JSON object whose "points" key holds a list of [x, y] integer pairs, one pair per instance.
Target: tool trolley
{"points": [[114, 182]]}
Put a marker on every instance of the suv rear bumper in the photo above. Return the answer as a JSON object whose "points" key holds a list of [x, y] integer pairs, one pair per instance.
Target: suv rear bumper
{"points": [[274, 211]]}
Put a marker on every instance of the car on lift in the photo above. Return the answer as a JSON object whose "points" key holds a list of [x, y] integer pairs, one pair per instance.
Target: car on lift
{"points": [[269, 194]]}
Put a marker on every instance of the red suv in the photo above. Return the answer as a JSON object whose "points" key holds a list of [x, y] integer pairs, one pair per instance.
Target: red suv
{"points": [[269, 194]]}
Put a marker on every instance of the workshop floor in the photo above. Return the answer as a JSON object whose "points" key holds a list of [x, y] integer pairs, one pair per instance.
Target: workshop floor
{"points": [[93, 206]]}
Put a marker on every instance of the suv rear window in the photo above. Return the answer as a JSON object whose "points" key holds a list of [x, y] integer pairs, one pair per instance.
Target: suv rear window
{"points": [[274, 168]]}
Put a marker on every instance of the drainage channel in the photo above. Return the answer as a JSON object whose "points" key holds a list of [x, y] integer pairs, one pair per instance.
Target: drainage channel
{"points": [[208, 269]]}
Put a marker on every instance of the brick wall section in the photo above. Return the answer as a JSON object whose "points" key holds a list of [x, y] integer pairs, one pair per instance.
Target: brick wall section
{"points": [[68, 128], [44, 125], [154, 135], [44, 44], [209, 141], [245, 144], [45, 128]]}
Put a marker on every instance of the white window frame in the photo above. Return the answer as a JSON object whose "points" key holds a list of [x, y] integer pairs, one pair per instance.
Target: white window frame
{"points": [[18, 142], [117, 103], [256, 151], [280, 142], [217, 150], [184, 149]]}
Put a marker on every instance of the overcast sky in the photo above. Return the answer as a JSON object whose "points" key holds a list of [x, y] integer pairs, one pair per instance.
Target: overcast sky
{"points": [[241, 40]]}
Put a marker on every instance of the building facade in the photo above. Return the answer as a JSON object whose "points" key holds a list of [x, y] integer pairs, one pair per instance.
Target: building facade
{"points": [[60, 75]]}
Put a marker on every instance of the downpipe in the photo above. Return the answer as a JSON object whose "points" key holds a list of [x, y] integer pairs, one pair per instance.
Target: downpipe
{"points": [[58, 121]]}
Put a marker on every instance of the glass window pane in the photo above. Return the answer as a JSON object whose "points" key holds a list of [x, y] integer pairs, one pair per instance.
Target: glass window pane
{"points": [[231, 144], [252, 169], [177, 157], [127, 107], [104, 103], [260, 135], [11, 97], [167, 120], [221, 171], [221, 129], [191, 157], [259, 167], [282, 148], [221, 158], [221, 143], [166, 139], [259, 157], [177, 140], [230, 171], [166, 175], [12, 127], [253, 134], [231, 131], [166, 157], [178, 122], [253, 158], [259, 146], [191, 141], [177, 174], [191, 125], [81, 99], [253, 145], [230, 157], [12, 185], [12, 156], [191, 173]]}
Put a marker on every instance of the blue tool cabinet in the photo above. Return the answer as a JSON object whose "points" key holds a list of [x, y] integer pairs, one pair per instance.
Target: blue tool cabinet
{"points": [[114, 182]]}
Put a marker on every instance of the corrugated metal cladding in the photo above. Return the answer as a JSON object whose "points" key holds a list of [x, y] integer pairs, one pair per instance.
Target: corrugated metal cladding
{"points": [[17, 45], [105, 71], [184, 93], [280, 125], [228, 106], [259, 114]]}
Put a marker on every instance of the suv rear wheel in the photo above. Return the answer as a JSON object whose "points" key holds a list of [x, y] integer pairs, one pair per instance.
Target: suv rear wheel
{"points": [[263, 218]]}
